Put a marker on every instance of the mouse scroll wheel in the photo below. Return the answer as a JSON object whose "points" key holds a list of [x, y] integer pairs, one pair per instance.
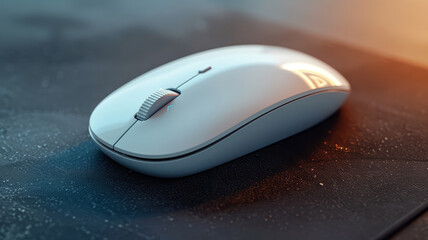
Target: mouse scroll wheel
{"points": [[155, 102]]}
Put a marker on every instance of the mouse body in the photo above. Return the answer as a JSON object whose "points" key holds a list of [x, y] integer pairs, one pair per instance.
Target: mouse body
{"points": [[209, 108]]}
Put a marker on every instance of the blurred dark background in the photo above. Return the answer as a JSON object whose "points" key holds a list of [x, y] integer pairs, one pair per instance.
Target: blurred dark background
{"points": [[353, 176]]}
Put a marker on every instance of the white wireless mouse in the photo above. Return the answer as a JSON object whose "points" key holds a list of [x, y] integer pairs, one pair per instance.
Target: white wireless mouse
{"points": [[209, 108]]}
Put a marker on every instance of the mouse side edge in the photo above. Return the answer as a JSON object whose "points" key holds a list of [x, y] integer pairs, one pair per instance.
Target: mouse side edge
{"points": [[244, 140]]}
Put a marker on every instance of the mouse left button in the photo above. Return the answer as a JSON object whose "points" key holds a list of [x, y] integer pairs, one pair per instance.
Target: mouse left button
{"points": [[111, 118]]}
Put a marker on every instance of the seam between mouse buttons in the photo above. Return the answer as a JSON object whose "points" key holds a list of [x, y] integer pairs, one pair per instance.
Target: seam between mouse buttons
{"points": [[136, 120]]}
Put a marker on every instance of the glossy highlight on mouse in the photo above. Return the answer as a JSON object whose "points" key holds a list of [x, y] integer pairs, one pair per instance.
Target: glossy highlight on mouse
{"points": [[211, 107]]}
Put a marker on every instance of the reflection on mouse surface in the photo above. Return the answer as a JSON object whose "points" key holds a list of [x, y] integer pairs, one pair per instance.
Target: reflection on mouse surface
{"points": [[209, 108]]}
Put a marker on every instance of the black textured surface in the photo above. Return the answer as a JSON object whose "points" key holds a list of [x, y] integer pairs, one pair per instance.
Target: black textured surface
{"points": [[349, 177]]}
